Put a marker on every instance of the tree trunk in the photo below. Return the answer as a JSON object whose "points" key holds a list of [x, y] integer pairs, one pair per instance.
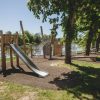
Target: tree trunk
{"points": [[98, 42], [90, 38], [68, 52], [70, 30]]}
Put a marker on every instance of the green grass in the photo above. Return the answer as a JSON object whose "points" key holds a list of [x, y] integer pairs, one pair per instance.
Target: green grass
{"points": [[83, 84], [13, 91], [84, 64], [98, 58], [8, 59], [87, 77]]}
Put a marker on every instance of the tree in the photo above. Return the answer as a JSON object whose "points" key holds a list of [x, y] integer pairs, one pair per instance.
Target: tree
{"points": [[53, 33], [37, 38], [89, 19], [45, 38], [62, 12], [29, 37], [98, 42], [20, 40], [93, 29]]}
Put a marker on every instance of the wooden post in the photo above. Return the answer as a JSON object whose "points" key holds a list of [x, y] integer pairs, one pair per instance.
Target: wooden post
{"points": [[9, 39], [31, 50], [17, 58], [44, 52], [11, 58], [43, 41], [21, 25], [1, 47], [41, 31], [3, 60], [50, 56]]}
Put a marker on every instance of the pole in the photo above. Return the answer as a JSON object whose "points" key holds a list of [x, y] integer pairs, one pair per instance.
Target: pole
{"points": [[41, 31], [3, 54], [11, 52], [17, 58], [21, 25]]}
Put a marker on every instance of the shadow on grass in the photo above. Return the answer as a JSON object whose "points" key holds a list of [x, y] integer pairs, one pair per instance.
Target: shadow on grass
{"points": [[84, 81]]}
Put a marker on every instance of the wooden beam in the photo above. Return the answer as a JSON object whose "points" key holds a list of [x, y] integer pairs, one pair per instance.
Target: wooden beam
{"points": [[11, 57], [31, 46], [17, 58], [9, 39], [21, 25], [41, 31], [44, 52], [50, 56], [3, 57]]}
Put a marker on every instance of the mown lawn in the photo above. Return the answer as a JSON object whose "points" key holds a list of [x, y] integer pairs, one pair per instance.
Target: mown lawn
{"points": [[86, 86], [11, 91]]}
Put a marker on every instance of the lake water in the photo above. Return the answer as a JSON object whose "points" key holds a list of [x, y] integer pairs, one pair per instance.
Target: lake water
{"points": [[38, 50]]}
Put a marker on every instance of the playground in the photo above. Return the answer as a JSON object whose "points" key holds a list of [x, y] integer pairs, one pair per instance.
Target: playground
{"points": [[76, 79], [29, 78], [60, 76], [48, 71], [56, 56]]}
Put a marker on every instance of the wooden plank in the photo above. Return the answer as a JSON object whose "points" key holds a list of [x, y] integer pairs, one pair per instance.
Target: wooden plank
{"points": [[84, 57], [93, 58]]}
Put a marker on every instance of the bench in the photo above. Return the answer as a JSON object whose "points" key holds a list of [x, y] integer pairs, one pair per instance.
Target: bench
{"points": [[93, 58]]}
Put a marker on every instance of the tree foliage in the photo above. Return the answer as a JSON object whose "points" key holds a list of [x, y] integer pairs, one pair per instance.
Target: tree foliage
{"points": [[72, 15], [88, 19], [37, 38], [61, 12]]}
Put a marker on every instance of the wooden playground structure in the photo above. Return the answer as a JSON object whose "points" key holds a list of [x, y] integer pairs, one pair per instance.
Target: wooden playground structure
{"points": [[5, 41], [52, 49], [11, 41]]}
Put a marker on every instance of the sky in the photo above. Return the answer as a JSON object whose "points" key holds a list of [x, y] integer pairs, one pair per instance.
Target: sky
{"points": [[12, 11]]}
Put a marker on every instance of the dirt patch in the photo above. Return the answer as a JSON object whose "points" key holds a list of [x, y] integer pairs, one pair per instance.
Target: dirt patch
{"points": [[2, 87], [29, 96]]}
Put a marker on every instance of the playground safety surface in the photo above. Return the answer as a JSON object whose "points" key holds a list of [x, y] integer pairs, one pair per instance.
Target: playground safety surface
{"points": [[58, 78], [29, 78]]}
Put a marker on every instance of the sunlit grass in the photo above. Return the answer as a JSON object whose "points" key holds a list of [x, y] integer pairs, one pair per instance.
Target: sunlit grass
{"points": [[13, 91], [82, 63]]}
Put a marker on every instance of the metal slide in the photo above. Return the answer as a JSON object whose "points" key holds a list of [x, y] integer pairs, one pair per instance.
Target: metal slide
{"points": [[27, 61]]}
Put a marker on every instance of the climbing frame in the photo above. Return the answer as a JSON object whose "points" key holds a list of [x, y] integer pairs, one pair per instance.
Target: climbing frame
{"points": [[6, 40]]}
